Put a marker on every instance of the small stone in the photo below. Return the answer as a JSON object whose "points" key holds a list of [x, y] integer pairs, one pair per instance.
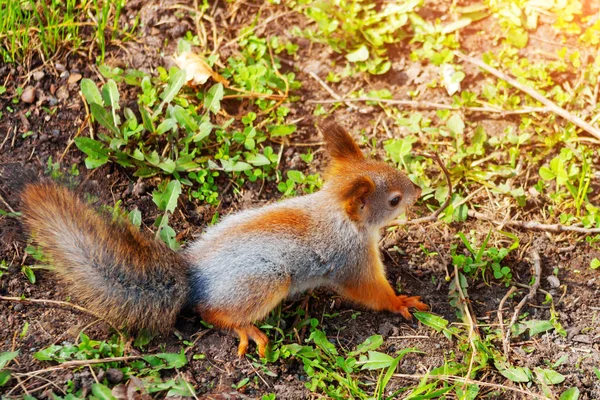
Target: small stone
{"points": [[59, 67], [582, 339], [62, 93], [38, 75], [553, 281], [52, 101], [64, 75], [55, 132], [74, 78], [385, 328], [52, 89], [28, 95], [114, 375], [18, 307]]}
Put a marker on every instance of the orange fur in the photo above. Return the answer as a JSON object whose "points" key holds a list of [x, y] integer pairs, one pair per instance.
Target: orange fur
{"points": [[339, 143], [282, 220], [374, 291], [354, 193]]}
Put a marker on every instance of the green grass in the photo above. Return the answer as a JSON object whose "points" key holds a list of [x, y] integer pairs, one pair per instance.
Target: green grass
{"points": [[48, 27]]}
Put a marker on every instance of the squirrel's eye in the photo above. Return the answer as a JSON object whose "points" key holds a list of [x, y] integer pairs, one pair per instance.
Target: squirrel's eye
{"points": [[395, 201]]}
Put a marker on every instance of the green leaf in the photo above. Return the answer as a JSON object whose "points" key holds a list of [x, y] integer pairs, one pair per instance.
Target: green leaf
{"points": [[47, 354], [167, 200], [146, 119], [570, 394], [377, 360], [166, 125], [372, 343], [7, 356], [205, 130], [212, 101], [235, 166], [518, 37], [435, 322], [515, 374], [95, 150], [173, 360], [4, 377], [28, 273], [360, 54], [90, 92], [135, 217], [281, 130], [455, 125], [176, 82], [104, 118], [546, 174], [184, 119], [548, 376], [595, 264], [102, 392], [110, 94], [258, 160], [323, 343]]}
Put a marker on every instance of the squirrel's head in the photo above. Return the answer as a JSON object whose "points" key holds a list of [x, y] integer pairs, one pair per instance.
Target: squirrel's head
{"points": [[371, 192]]}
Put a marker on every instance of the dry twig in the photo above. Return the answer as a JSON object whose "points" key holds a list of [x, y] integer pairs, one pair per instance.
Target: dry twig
{"points": [[505, 338], [63, 304], [537, 271], [533, 225], [81, 363], [427, 105], [533, 93]]}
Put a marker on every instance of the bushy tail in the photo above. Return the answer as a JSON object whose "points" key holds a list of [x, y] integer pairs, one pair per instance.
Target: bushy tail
{"points": [[111, 267]]}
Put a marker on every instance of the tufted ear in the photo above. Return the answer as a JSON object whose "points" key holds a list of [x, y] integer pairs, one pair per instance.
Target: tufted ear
{"points": [[354, 195], [339, 143]]}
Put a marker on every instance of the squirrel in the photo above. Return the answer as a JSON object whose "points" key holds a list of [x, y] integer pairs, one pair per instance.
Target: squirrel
{"points": [[241, 268]]}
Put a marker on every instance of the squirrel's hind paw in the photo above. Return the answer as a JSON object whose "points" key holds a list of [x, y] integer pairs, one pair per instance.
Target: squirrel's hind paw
{"points": [[257, 337], [403, 303]]}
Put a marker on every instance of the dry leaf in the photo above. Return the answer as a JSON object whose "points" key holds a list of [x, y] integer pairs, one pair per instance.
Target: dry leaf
{"points": [[197, 71]]}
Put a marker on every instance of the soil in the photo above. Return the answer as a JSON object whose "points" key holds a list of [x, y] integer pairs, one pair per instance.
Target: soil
{"points": [[576, 298]]}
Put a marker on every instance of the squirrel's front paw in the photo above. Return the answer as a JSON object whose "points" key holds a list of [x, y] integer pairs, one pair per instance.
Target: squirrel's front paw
{"points": [[403, 303]]}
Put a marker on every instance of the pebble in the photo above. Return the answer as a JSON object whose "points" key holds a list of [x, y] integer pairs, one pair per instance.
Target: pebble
{"points": [[52, 101], [28, 95], [64, 74], [62, 93], [74, 78], [38, 75], [553, 281], [582, 339], [55, 132], [18, 307], [114, 375], [59, 67]]}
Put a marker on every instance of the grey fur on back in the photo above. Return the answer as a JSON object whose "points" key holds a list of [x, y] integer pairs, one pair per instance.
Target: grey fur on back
{"points": [[223, 264]]}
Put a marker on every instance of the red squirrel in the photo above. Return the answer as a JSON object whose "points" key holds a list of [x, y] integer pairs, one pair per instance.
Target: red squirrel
{"points": [[244, 266]]}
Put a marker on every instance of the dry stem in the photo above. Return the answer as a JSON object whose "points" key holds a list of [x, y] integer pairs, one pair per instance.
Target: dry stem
{"points": [[533, 93], [452, 378], [537, 270], [533, 225]]}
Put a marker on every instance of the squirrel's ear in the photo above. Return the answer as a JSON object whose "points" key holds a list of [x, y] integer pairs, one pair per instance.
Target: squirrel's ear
{"points": [[354, 195], [339, 143]]}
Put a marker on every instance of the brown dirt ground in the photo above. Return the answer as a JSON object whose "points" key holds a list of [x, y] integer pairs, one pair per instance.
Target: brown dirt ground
{"points": [[412, 271]]}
